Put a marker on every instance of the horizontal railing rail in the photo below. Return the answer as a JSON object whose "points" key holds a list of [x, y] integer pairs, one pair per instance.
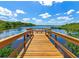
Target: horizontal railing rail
{"points": [[67, 37], [6, 41]]}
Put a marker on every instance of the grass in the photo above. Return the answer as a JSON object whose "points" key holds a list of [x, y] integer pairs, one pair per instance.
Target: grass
{"points": [[73, 48], [70, 27], [6, 51]]}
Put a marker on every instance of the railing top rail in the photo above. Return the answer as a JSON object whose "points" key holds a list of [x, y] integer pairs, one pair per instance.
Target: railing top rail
{"points": [[6, 41], [67, 37]]}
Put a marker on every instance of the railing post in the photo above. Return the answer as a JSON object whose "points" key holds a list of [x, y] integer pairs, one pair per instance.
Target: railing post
{"points": [[56, 40], [24, 41], [32, 32], [45, 32]]}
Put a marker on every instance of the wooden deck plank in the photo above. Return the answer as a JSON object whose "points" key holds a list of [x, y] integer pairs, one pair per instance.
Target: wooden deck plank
{"points": [[41, 47]]}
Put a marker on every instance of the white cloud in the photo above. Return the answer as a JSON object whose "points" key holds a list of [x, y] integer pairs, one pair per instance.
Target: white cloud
{"points": [[77, 12], [46, 3], [59, 21], [57, 14], [55, 22], [70, 11], [37, 21], [58, 1], [51, 20], [13, 19], [49, 2], [3, 18], [64, 18], [45, 15], [5, 11], [26, 19], [8, 15], [15, 15], [34, 19], [20, 11]]}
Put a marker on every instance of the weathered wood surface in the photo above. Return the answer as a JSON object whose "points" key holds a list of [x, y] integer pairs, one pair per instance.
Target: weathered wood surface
{"points": [[41, 47]]}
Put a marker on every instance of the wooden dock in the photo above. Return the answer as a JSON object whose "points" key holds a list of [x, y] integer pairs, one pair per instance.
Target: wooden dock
{"points": [[41, 47]]}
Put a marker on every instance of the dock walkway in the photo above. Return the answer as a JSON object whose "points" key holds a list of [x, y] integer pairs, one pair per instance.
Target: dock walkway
{"points": [[41, 47]]}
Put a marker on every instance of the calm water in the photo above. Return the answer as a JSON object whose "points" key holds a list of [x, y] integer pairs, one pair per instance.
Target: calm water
{"points": [[11, 32]]}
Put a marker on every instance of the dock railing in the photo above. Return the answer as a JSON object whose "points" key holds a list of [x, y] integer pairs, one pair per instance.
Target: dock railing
{"points": [[22, 46], [68, 45]]}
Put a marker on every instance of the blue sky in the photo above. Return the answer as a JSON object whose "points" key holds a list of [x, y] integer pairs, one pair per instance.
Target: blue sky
{"points": [[40, 12]]}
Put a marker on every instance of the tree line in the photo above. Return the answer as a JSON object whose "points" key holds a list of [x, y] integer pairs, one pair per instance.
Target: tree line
{"points": [[71, 27], [9, 25]]}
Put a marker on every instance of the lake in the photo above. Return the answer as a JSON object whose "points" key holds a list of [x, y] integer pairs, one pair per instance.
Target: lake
{"points": [[11, 32]]}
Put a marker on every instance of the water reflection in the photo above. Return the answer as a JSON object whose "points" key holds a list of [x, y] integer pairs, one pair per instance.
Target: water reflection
{"points": [[61, 31], [11, 32]]}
